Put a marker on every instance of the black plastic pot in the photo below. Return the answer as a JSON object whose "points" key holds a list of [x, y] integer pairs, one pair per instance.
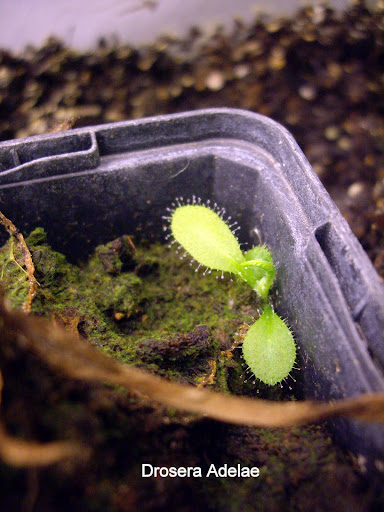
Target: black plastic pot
{"points": [[90, 185]]}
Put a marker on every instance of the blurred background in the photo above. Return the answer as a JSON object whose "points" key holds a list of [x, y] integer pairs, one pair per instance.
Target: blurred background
{"points": [[316, 69], [81, 23]]}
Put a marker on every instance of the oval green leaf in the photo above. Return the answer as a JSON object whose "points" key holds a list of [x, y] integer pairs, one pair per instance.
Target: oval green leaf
{"points": [[206, 237], [269, 348]]}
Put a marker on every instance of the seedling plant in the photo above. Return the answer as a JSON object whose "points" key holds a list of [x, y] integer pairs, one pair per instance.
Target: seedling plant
{"points": [[269, 348]]}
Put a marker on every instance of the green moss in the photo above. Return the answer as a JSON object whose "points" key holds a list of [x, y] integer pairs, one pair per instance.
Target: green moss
{"points": [[178, 299], [143, 307], [151, 309], [13, 279], [299, 469]]}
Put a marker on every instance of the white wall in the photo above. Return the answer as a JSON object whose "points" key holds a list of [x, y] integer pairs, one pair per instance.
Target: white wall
{"points": [[80, 23]]}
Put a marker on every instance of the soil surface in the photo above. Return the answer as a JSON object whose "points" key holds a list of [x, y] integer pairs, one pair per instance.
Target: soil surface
{"points": [[321, 76], [149, 308]]}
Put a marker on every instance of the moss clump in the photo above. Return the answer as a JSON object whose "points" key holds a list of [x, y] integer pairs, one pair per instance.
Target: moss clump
{"points": [[183, 351], [82, 299], [143, 305]]}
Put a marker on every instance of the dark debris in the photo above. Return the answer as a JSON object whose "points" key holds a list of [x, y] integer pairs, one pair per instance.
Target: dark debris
{"points": [[175, 351]]}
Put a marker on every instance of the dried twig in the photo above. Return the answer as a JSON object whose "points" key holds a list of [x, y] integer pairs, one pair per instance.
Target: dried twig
{"points": [[20, 453], [61, 126], [209, 379], [31, 454], [77, 359], [28, 262]]}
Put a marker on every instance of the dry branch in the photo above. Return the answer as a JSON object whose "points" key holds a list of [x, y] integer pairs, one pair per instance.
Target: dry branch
{"points": [[76, 359], [28, 262], [21, 453]]}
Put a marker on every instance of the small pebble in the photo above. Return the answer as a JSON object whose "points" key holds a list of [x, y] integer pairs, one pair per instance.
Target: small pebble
{"points": [[307, 92], [356, 190], [215, 80], [332, 133]]}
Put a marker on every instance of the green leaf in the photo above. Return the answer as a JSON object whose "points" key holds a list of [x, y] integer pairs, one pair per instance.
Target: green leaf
{"points": [[269, 348], [206, 237], [259, 271]]}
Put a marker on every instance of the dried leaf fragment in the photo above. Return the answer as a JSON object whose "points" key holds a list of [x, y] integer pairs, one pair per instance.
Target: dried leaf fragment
{"points": [[28, 262]]}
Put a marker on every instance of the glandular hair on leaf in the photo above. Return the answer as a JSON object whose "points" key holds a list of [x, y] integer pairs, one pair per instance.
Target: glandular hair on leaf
{"points": [[206, 237], [269, 348]]}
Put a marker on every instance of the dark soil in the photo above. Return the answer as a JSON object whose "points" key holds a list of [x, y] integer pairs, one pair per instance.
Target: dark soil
{"points": [[320, 75]]}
